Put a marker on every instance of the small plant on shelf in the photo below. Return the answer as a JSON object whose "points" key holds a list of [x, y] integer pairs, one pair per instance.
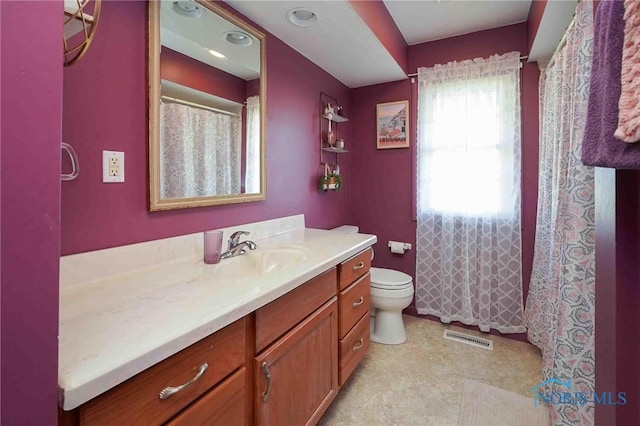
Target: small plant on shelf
{"points": [[329, 180]]}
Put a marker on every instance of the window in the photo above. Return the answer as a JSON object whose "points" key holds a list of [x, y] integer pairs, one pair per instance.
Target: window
{"points": [[468, 231], [468, 154]]}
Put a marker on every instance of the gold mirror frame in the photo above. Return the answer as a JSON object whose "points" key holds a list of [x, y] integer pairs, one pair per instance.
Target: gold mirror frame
{"points": [[156, 203]]}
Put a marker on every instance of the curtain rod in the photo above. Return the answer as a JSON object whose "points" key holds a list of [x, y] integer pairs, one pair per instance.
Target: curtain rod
{"points": [[195, 105], [415, 74]]}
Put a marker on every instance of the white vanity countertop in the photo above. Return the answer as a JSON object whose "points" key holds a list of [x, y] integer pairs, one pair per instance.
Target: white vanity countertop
{"points": [[115, 327]]}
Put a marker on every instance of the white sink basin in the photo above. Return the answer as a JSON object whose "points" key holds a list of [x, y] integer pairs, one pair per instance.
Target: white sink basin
{"points": [[262, 261], [278, 258]]}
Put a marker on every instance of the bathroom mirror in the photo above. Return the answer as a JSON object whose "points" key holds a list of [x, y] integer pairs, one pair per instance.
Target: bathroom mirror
{"points": [[206, 110]]}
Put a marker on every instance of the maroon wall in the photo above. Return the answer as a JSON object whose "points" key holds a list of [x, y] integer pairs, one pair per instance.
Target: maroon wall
{"points": [[102, 111], [536, 11], [252, 88], [379, 20], [617, 293], [605, 304], [31, 83], [628, 293], [181, 69], [384, 180]]}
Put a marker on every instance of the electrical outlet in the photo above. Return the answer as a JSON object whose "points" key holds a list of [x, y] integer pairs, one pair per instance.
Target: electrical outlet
{"points": [[112, 166]]}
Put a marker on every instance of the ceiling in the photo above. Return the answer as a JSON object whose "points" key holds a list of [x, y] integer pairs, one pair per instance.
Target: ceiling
{"points": [[343, 44], [194, 37], [421, 21]]}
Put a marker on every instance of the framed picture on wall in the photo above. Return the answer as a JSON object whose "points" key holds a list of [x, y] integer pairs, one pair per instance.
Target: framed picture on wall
{"points": [[392, 121]]}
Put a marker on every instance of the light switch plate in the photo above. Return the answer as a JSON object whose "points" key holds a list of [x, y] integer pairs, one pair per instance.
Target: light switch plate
{"points": [[112, 166]]}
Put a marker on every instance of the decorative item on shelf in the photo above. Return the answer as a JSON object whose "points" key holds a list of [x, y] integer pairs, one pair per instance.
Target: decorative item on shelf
{"points": [[328, 110], [330, 179], [79, 28], [331, 136]]}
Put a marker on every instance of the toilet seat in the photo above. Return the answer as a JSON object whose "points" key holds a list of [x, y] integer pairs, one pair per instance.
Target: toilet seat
{"points": [[388, 279], [396, 293]]}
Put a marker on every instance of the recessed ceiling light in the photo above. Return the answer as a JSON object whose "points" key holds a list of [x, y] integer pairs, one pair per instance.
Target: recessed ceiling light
{"points": [[190, 9], [216, 53], [302, 17], [238, 38]]}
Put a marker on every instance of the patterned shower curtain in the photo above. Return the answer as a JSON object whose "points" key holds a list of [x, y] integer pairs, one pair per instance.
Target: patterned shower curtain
{"points": [[560, 306], [199, 152]]}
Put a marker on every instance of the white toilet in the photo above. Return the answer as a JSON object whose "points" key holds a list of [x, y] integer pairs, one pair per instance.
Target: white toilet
{"points": [[391, 292]]}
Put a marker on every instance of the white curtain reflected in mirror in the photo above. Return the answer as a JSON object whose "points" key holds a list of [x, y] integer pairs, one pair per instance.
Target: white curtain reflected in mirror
{"points": [[199, 151], [252, 175]]}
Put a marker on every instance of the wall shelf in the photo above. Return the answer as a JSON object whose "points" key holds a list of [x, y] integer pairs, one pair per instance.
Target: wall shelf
{"points": [[336, 118], [330, 117], [336, 150]]}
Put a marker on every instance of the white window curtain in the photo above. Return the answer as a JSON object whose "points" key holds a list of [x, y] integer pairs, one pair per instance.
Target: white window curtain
{"points": [[199, 152], [252, 175], [468, 266]]}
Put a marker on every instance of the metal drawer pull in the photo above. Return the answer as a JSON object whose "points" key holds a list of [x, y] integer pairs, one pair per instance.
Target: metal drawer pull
{"points": [[267, 375], [359, 345], [359, 302], [358, 266], [170, 390]]}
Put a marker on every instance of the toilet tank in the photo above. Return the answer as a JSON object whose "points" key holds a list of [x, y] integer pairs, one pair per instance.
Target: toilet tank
{"points": [[351, 229], [347, 229]]}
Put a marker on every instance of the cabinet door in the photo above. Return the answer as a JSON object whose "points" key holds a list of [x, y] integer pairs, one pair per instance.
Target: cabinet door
{"points": [[297, 376]]}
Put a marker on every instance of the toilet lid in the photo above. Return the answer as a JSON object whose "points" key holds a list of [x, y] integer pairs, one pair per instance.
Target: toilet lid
{"points": [[389, 279]]}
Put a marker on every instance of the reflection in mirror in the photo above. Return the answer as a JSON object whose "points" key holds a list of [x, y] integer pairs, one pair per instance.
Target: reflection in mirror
{"points": [[206, 106]]}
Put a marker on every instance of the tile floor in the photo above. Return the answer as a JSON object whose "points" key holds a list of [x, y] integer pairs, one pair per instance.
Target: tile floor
{"points": [[421, 381]]}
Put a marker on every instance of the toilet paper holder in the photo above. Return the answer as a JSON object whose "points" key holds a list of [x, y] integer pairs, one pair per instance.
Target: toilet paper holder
{"points": [[399, 247]]}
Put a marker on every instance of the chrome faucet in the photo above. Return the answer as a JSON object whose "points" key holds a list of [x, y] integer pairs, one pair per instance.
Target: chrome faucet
{"points": [[236, 247]]}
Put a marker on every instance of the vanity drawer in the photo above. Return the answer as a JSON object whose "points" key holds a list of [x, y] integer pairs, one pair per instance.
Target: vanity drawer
{"points": [[354, 268], [281, 315], [224, 405], [353, 347], [353, 303], [136, 401]]}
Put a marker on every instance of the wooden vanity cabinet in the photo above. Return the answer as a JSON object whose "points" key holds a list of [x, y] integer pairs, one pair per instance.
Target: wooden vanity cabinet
{"points": [[281, 365], [136, 401], [296, 368], [354, 301], [297, 376]]}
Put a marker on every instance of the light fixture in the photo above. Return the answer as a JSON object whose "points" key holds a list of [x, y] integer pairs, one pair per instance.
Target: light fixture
{"points": [[216, 53], [238, 38], [302, 17], [189, 9]]}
